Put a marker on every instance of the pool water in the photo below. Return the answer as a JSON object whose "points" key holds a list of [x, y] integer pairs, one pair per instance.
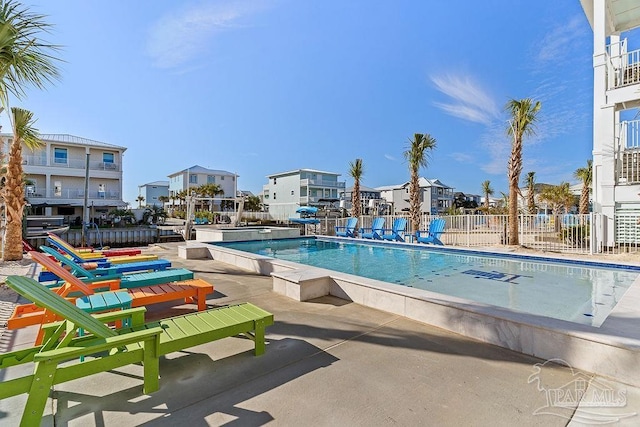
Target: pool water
{"points": [[559, 290]]}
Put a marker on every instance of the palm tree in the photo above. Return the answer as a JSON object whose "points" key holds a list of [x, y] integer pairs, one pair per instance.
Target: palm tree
{"points": [[523, 117], [416, 155], [25, 60], [487, 191], [586, 176], [140, 199], [209, 191], [356, 170], [558, 196], [530, 183], [23, 132]]}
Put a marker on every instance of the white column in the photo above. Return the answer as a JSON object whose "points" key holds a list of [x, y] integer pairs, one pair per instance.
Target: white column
{"points": [[603, 129]]}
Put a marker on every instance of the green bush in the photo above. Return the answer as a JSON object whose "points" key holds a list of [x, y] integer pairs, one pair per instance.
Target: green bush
{"points": [[575, 235]]}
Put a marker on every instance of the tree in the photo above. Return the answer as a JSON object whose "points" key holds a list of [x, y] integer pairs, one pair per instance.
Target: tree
{"points": [[586, 176], [558, 196], [252, 203], [523, 118], [209, 191], [154, 214], [140, 199], [356, 171], [416, 155], [23, 132], [487, 191], [163, 199], [25, 60], [530, 183]]}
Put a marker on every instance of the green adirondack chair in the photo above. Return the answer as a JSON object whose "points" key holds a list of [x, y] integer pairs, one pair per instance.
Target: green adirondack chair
{"points": [[57, 359]]}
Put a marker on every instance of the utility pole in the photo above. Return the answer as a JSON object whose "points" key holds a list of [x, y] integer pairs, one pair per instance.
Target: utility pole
{"points": [[85, 210]]}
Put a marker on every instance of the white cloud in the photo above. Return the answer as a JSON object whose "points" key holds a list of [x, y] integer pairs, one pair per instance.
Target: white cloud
{"points": [[184, 34], [462, 157], [468, 100], [390, 157], [557, 43]]}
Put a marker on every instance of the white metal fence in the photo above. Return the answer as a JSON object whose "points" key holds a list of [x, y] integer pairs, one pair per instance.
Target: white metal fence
{"points": [[549, 233]]}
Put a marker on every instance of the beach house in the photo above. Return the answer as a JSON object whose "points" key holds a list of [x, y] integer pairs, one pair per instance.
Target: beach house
{"points": [[287, 191], [616, 128], [55, 176]]}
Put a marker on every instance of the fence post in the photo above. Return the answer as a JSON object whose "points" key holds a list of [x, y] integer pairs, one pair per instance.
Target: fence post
{"points": [[468, 219]]}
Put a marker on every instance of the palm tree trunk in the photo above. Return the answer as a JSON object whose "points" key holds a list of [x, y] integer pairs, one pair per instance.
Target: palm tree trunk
{"points": [[414, 196], [14, 204], [513, 214]]}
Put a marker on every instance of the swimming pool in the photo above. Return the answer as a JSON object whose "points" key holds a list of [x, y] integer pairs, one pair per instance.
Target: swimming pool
{"points": [[567, 291]]}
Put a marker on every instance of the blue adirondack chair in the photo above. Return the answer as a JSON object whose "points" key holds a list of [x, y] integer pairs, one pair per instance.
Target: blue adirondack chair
{"points": [[397, 230], [375, 232], [436, 228], [349, 229]]}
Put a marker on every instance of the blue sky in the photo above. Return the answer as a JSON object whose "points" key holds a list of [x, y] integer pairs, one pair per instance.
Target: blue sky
{"points": [[260, 87]]}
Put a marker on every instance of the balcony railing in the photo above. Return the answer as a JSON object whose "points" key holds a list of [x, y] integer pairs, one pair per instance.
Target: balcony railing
{"points": [[623, 67], [628, 153], [34, 193], [71, 163], [321, 183]]}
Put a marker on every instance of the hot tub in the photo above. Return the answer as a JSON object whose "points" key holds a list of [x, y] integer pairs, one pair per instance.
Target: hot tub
{"points": [[241, 234]]}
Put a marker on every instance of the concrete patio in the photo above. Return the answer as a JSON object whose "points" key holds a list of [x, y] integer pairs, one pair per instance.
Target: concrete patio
{"points": [[328, 362]]}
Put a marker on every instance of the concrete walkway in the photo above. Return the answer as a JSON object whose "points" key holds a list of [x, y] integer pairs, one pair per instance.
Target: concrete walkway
{"points": [[328, 362]]}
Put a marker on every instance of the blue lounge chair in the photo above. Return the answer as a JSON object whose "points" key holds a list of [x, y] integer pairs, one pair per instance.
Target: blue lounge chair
{"points": [[135, 280], [116, 269], [349, 229], [436, 228], [375, 231], [397, 230]]}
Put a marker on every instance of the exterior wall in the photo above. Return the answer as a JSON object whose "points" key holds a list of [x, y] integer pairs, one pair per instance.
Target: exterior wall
{"points": [[609, 195], [58, 181], [285, 195], [287, 191], [152, 193]]}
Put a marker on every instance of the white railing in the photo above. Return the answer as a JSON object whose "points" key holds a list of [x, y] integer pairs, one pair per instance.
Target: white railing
{"points": [[545, 233], [627, 155], [624, 68], [71, 163]]}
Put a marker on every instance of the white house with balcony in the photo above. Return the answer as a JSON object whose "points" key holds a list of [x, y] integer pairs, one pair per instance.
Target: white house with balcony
{"points": [[616, 136], [287, 191], [55, 176], [196, 176], [435, 196]]}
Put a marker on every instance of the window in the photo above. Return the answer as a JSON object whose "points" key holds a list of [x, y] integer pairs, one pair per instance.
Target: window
{"points": [[274, 181], [292, 192], [211, 179], [274, 196], [193, 179], [101, 191], [60, 155], [108, 157], [222, 178], [57, 188]]}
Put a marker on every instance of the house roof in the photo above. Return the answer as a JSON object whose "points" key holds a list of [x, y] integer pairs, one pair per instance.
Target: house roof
{"points": [[199, 169], [156, 183], [363, 188], [424, 182], [72, 140], [297, 171]]}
